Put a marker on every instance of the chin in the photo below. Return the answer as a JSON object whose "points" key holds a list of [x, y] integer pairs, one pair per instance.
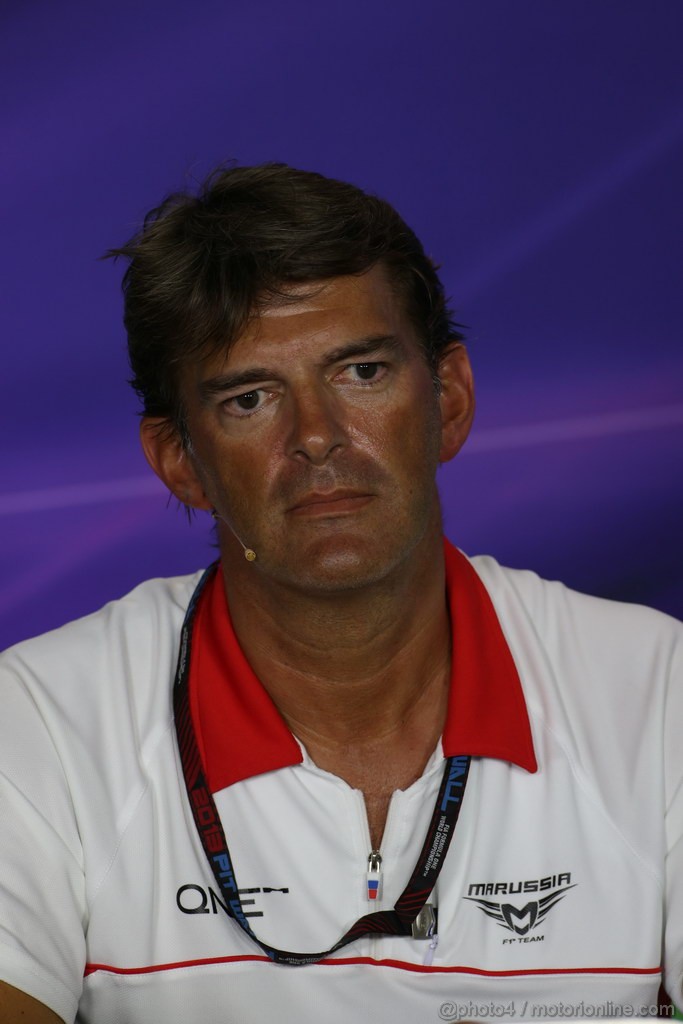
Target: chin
{"points": [[338, 567]]}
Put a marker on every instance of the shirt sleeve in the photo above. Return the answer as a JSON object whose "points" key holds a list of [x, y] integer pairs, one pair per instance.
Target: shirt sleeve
{"points": [[673, 777], [42, 891]]}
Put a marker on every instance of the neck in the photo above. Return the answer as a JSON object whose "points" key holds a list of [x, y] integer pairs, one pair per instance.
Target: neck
{"points": [[363, 669]]}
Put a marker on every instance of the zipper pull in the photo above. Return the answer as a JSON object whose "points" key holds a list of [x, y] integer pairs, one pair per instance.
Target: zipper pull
{"points": [[431, 949], [374, 875]]}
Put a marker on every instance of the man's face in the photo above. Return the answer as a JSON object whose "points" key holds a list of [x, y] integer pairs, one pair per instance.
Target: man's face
{"points": [[317, 437]]}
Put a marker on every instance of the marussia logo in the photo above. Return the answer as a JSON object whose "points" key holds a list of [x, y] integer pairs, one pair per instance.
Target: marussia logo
{"points": [[521, 920]]}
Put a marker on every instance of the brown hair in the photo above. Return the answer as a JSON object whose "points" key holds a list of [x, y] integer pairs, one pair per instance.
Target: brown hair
{"points": [[203, 264]]}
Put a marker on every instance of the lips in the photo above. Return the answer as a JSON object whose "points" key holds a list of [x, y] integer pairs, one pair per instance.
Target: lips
{"points": [[330, 502]]}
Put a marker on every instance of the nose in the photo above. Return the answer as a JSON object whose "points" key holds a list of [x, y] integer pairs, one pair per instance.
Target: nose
{"points": [[317, 428]]}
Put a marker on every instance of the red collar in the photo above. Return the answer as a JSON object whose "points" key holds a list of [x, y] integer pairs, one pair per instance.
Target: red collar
{"points": [[241, 733]]}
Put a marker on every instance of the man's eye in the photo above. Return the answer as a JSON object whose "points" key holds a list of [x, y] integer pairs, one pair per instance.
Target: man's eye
{"points": [[247, 402], [366, 371]]}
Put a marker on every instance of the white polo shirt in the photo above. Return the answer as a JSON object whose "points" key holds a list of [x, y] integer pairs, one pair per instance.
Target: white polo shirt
{"points": [[565, 869]]}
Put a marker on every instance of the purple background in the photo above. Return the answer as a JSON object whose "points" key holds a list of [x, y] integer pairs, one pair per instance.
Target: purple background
{"points": [[535, 146]]}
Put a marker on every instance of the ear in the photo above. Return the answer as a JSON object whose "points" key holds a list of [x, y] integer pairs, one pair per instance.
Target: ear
{"points": [[456, 399], [171, 461]]}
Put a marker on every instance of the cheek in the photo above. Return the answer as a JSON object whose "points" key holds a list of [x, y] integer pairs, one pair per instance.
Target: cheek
{"points": [[405, 439], [416, 422], [253, 476], [224, 472]]}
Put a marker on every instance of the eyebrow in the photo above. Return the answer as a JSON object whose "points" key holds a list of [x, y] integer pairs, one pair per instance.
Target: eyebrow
{"points": [[354, 350], [364, 347]]}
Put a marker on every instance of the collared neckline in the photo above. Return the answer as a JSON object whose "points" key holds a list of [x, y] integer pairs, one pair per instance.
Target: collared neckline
{"points": [[240, 732]]}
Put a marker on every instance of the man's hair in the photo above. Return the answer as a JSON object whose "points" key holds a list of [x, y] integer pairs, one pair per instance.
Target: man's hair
{"points": [[203, 264]]}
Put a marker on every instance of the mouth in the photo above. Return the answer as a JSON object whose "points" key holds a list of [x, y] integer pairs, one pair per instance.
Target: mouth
{"points": [[331, 503]]}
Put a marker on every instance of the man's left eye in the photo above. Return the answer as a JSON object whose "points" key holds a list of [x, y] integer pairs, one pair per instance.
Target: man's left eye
{"points": [[366, 371]]}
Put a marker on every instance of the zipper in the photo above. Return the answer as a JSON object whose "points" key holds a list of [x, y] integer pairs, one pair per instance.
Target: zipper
{"points": [[374, 876]]}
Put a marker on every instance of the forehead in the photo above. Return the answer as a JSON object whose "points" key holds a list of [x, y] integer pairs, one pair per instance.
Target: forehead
{"points": [[355, 295], [313, 317]]}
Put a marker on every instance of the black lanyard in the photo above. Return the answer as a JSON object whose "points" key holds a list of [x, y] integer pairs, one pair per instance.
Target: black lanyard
{"points": [[398, 921]]}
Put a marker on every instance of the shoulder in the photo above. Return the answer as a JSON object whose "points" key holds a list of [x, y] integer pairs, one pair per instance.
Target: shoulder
{"points": [[603, 683], [134, 624], [605, 677], [569, 622], [93, 678]]}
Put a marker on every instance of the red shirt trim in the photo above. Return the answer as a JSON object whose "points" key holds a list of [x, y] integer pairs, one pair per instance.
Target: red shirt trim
{"points": [[369, 961]]}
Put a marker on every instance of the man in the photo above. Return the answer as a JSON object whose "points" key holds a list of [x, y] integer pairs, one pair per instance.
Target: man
{"points": [[347, 775]]}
